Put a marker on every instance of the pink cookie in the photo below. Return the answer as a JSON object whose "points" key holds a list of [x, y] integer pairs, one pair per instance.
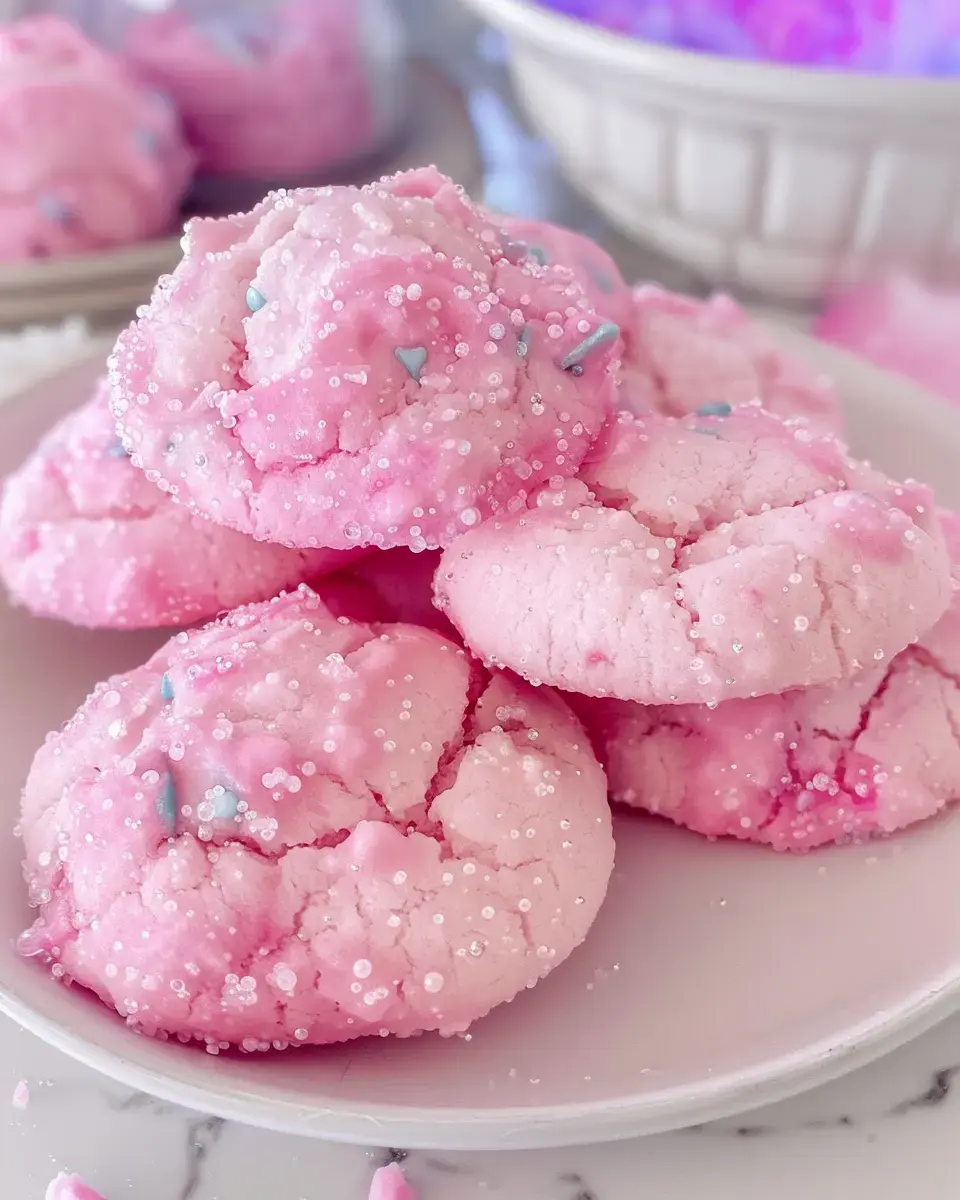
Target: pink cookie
{"points": [[287, 829], [592, 267], [903, 326], [682, 354], [345, 367], [272, 94], [70, 1187], [827, 764], [89, 159], [718, 557], [86, 537]]}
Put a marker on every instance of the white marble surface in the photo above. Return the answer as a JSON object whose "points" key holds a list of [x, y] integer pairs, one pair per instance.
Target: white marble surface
{"points": [[888, 1132]]}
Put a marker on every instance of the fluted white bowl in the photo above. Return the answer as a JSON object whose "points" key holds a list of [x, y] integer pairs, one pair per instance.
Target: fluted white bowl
{"points": [[784, 180]]}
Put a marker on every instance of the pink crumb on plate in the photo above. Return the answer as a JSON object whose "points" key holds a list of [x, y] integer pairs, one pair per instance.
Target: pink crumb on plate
{"points": [[390, 1183], [901, 325], [70, 1187], [21, 1095]]}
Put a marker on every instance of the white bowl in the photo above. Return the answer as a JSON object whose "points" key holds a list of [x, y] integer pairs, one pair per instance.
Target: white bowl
{"points": [[784, 180], [718, 976]]}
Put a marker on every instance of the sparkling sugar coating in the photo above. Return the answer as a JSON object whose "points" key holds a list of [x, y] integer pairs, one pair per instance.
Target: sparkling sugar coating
{"points": [[683, 353], [806, 768], [89, 158], [700, 560], [590, 265], [86, 537], [245, 80], [401, 382], [332, 830], [70, 1187]]}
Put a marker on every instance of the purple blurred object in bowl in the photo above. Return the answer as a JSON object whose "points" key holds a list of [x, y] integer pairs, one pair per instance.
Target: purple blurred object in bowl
{"points": [[897, 37]]}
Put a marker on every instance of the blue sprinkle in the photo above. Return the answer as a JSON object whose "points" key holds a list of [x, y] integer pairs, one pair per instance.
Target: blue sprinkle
{"points": [[53, 208], [228, 37], [607, 332], [226, 806], [705, 432], [167, 804], [161, 100], [538, 254], [166, 687], [523, 345], [718, 409], [116, 450], [255, 299], [146, 139], [412, 358]]}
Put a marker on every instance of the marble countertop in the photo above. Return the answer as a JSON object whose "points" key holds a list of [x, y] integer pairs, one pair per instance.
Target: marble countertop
{"points": [[887, 1132]]}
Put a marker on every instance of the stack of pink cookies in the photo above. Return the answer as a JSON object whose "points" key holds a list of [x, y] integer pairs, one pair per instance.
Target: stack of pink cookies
{"points": [[566, 542]]}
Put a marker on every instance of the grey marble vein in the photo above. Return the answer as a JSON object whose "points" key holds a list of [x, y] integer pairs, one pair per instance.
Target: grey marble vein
{"points": [[576, 1180], [202, 1136], [939, 1090]]}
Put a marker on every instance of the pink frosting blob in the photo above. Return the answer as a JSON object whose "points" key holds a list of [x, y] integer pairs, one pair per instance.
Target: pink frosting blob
{"points": [[70, 1187], [390, 1183]]}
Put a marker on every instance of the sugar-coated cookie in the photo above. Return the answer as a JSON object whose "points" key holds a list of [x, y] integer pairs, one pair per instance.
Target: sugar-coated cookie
{"points": [[343, 367], [89, 158], [805, 768], [592, 267], [289, 829], [86, 537], [681, 353], [282, 92], [700, 560]]}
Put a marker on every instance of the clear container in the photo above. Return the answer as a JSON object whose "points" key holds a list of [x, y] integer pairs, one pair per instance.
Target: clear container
{"points": [[271, 92]]}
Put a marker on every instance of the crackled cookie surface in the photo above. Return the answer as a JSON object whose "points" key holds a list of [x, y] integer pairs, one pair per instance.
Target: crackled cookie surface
{"points": [[89, 158], [805, 768], [86, 537], [698, 560], [345, 367], [591, 266], [286, 828], [681, 354]]}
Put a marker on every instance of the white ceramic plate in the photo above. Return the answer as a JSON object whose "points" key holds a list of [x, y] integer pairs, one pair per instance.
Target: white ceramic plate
{"points": [[718, 977]]}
